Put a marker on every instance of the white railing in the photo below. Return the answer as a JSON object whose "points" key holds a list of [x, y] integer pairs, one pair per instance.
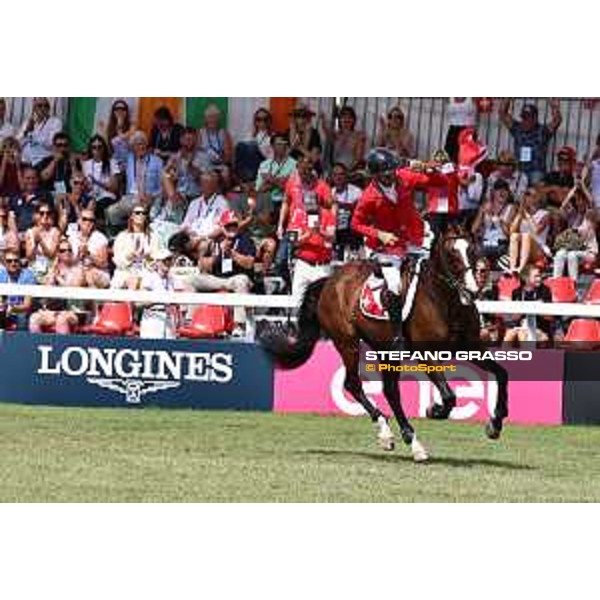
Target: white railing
{"points": [[530, 310]]}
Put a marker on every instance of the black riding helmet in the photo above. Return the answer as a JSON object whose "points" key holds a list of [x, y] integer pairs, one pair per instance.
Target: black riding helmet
{"points": [[381, 160]]}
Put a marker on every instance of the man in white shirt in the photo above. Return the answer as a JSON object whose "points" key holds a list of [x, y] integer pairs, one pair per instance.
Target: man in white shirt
{"points": [[345, 196], [6, 129], [37, 132]]}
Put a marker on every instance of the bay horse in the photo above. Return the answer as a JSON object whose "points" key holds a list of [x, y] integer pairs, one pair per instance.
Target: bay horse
{"points": [[443, 311]]}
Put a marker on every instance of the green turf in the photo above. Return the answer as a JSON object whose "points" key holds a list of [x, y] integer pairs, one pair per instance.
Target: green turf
{"points": [[84, 455]]}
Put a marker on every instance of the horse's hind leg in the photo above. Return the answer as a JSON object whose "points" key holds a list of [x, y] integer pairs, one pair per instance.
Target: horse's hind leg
{"points": [[349, 351], [392, 395], [437, 411], [493, 428]]}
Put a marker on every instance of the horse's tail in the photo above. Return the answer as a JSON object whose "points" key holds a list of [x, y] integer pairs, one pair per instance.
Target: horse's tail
{"points": [[290, 353]]}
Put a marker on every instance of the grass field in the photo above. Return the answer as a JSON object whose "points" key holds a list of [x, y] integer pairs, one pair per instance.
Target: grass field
{"points": [[84, 455]]}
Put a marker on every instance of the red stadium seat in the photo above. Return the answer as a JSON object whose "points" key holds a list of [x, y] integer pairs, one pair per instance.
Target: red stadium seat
{"points": [[114, 318], [583, 330], [592, 296], [588, 265], [563, 289], [209, 321], [506, 285]]}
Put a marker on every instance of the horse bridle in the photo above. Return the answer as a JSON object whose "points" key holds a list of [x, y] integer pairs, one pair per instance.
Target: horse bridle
{"points": [[449, 278]]}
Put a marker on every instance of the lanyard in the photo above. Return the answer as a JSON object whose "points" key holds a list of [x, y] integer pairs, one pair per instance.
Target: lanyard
{"points": [[209, 138], [205, 207]]}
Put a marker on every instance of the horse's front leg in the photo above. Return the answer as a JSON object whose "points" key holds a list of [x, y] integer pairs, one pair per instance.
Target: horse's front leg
{"points": [[392, 395], [441, 411], [493, 428]]}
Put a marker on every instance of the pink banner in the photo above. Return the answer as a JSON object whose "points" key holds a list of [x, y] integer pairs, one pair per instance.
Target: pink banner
{"points": [[317, 387]]}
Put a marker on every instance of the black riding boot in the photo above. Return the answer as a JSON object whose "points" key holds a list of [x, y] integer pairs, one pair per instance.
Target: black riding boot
{"points": [[393, 305]]}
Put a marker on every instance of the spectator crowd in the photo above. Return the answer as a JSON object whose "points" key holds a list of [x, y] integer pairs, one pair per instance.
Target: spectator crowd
{"points": [[179, 208]]}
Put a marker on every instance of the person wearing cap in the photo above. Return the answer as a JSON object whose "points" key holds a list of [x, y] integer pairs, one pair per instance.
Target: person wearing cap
{"points": [[530, 137], [159, 321], [507, 170], [558, 183], [304, 139]]}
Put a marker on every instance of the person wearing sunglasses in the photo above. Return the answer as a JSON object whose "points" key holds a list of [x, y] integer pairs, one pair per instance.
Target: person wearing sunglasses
{"points": [[101, 172], [251, 152], [394, 136], [119, 130], [70, 205], [37, 132], [41, 241], [61, 316], [132, 250], [304, 139], [57, 170], [16, 309]]}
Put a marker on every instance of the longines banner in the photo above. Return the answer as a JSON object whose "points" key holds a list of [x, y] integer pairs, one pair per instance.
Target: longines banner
{"points": [[94, 371]]}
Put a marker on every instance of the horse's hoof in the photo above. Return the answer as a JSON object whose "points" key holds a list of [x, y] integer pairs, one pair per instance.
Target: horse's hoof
{"points": [[387, 444], [438, 412], [418, 451], [385, 435], [493, 429]]}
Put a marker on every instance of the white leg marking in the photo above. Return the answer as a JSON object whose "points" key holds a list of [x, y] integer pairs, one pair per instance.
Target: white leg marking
{"points": [[385, 434], [418, 450]]}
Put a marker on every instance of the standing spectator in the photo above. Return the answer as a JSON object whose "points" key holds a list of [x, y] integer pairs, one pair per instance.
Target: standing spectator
{"points": [[187, 165], [16, 308], [506, 170], [71, 204], [528, 232], [531, 138], [6, 129], [57, 170], [578, 242], [90, 248], [10, 167], [25, 205], [215, 143], [493, 221], [345, 196], [531, 289], [165, 136], [41, 241], [274, 173], [204, 213], [133, 248], [119, 131], [144, 173], [348, 143], [37, 132], [60, 315], [101, 173], [249, 154], [394, 136], [304, 139], [462, 113]]}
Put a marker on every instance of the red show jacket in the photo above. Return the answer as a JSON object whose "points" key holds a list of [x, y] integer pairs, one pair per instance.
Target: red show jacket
{"points": [[375, 212]]}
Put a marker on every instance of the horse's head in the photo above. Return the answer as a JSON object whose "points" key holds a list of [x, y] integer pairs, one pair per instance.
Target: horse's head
{"points": [[457, 256]]}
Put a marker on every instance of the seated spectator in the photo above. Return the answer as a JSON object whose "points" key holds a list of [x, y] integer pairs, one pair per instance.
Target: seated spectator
{"points": [[304, 139], [9, 235], [594, 174], [461, 113], [394, 136], [506, 170], [165, 136], [492, 223], [60, 315], [101, 174], [25, 205], [37, 133], [348, 143], [159, 321], [470, 192], [72, 203], [528, 232], [487, 290], [578, 241], [119, 131], [6, 128], [249, 154], [345, 196], [531, 289], [558, 183], [16, 308], [90, 249], [144, 173], [41, 241], [228, 264], [255, 218], [214, 143], [307, 211], [133, 248], [204, 213], [531, 138], [273, 174], [57, 170], [10, 167], [186, 164]]}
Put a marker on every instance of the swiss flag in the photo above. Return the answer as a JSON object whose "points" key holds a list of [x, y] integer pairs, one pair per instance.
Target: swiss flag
{"points": [[470, 151]]}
